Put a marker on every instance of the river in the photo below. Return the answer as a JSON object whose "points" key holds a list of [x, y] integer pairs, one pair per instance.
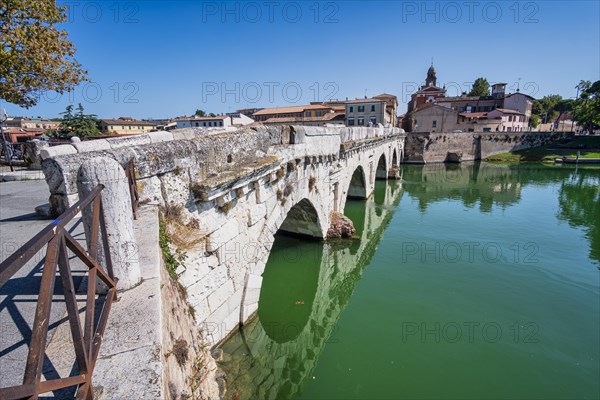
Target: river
{"points": [[463, 281]]}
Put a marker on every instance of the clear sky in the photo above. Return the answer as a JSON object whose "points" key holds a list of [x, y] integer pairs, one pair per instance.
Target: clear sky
{"points": [[159, 59]]}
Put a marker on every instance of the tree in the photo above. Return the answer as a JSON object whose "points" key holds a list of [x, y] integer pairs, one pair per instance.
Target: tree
{"points": [[481, 87], [212, 115], [545, 108], [200, 113], [563, 106], [34, 55], [586, 110], [76, 124]]}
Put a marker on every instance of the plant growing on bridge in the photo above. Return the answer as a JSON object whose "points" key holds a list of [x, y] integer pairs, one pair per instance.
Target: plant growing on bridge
{"points": [[172, 261], [280, 173], [225, 208], [311, 183]]}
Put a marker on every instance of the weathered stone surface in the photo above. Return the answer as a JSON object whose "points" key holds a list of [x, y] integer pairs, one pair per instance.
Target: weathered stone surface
{"points": [[116, 202], [129, 141], [160, 136], [32, 155], [229, 246], [341, 227], [57, 151], [223, 235], [92, 145]]}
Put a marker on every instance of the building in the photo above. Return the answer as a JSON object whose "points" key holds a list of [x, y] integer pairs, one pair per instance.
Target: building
{"points": [[368, 112], [510, 120], [322, 120], [391, 106], [475, 109], [249, 112], [298, 113], [427, 93], [125, 125], [30, 123], [438, 118], [218, 121]]}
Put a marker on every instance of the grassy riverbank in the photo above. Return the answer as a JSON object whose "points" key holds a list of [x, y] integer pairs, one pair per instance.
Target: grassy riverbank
{"points": [[588, 146]]}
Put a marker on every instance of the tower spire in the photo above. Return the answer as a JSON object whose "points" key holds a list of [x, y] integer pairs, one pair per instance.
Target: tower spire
{"points": [[431, 77]]}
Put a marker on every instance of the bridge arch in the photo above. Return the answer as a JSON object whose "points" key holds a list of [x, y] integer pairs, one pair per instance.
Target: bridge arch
{"points": [[302, 217], [357, 189], [395, 158], [382, 171]]}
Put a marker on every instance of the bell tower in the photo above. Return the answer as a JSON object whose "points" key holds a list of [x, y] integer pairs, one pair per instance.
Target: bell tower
{"points": [[431, 78]]}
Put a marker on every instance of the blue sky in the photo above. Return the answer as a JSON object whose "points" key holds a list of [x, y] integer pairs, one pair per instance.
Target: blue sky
{"points": [[159, 59]]}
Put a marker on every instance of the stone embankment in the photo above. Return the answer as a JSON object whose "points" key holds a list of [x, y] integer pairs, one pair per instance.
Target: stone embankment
{"points": [[422, 148]]}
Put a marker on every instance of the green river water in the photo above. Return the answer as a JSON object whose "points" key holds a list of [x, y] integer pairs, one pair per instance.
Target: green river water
{"points": [[465, 281]]}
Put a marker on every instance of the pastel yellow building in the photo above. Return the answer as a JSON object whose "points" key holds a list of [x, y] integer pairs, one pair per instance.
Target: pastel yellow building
{"points": [[125, 126]]}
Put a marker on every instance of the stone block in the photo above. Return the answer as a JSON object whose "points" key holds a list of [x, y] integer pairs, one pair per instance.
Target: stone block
{"points": [[160, 136], [220, 295], [256, 213], [222, 235], [55, 151], [129, 141], [92, 145]]}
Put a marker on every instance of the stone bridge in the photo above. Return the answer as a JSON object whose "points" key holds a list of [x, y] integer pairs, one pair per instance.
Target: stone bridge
{"points": [[272, 358], [224, 196]]}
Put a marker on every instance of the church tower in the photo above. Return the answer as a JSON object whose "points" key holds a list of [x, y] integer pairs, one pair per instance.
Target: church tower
{"points": [[431, 78]]}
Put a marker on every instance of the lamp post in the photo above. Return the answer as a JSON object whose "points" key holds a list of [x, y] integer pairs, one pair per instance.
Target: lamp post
{"points": [[4, 117], [576, 98]]}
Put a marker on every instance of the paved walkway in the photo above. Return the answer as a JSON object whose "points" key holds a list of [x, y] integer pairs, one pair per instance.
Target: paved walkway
{"points": [[19, 174], [18, 297]]}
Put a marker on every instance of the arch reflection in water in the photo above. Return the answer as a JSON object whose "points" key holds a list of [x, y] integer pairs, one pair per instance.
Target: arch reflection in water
{"points": [[306, 286]]}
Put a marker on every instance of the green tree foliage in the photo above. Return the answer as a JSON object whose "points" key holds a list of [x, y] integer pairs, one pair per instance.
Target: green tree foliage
{"points": [[34, 55], [76, 124], [200, 113], [534, 121], [545, 108], [481, 87], [586, 109], [563, 106]]}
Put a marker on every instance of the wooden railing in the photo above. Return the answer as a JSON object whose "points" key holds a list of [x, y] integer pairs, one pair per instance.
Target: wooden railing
{"points": [[131, 180], [86, 339]]}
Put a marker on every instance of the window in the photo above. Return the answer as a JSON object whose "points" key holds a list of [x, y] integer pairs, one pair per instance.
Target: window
{"points": [[372, 107], [204, 124], [361, 108], [350, 121], [434, 124], [373, 121], [361, 121], [197, 123], [487, 129], [307, 113], [351, 109]]}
